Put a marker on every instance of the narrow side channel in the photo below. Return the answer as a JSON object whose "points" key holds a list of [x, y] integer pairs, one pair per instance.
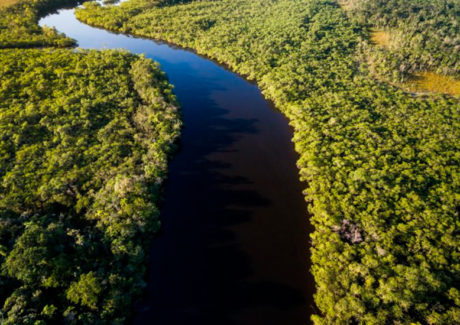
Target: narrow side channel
{"points": [[234, 244]]}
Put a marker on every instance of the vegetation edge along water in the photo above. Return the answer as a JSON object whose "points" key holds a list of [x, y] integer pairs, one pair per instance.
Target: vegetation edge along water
{"points": [[382, 165], [85, 139]]}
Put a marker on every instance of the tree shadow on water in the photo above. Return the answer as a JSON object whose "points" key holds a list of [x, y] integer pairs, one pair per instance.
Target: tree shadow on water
{"points": [[199, 272]]}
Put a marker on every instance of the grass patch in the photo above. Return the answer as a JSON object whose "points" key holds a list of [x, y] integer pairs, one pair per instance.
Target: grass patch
{"points": [[6, 3], [380, 37], [433, 83]]}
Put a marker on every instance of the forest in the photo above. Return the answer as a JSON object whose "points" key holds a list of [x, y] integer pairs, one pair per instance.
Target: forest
{"points": [[424, 35], [19, 28], [381, 163], [422, 42], [85, 139]]}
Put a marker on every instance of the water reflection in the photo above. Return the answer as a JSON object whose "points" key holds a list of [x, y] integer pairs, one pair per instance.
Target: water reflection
{"points": [[233, 248]]}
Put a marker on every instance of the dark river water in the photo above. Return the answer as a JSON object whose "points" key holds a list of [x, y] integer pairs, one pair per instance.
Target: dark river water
{"points": [[234, 244]]}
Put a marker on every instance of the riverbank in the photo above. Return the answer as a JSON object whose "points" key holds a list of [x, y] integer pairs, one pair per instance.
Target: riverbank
{"points": [[85, 139], [380, 164], [232, 207]]}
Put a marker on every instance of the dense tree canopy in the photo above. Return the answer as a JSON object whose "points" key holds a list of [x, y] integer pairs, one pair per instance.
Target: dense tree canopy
{"points": [[382, 165], [19, 28], [423, 35], [85, 138], [84, 142]]}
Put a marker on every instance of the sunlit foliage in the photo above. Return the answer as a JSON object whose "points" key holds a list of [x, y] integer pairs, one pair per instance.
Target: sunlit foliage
{"points": [[19, 28], [84, 142], [425, 36], [85, 138], [382, 166]]}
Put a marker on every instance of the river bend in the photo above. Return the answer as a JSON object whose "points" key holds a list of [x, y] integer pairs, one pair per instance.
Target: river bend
{"points": [[234, 244]]}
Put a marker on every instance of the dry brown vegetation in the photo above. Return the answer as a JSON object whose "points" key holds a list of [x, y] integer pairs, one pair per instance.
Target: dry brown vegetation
{"points": [[433, 83], [380, 37], [422, 81], [5, 3]]}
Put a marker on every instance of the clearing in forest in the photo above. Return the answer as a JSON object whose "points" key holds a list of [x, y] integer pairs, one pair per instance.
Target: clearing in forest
{"points": [[380, 37], [5, 3], [434, 83]]}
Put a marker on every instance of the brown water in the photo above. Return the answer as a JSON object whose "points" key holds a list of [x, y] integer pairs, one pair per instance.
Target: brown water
{"points": [[234, 244]]}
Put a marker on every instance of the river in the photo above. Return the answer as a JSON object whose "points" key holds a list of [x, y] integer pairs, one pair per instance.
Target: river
{"points": [[234, 243]]}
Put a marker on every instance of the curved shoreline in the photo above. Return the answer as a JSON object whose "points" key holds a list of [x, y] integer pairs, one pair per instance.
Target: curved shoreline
{"points": [[259, 198]]}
